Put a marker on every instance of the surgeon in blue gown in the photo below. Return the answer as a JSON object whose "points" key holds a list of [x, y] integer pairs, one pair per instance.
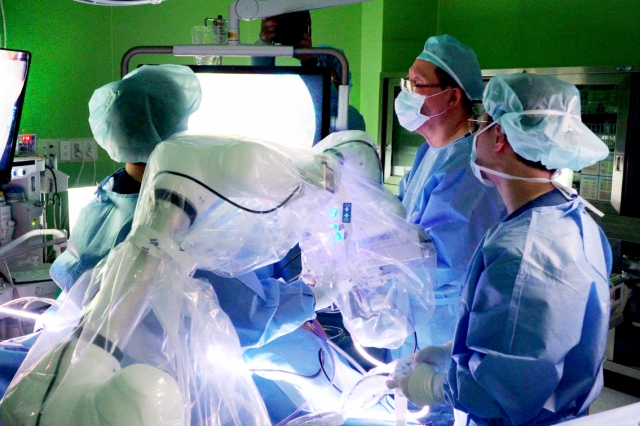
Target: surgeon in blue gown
{"points": [[128, 119], [529, 344], [440, 192]]}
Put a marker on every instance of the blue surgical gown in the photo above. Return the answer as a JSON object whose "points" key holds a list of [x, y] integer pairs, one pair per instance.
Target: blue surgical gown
{"points": [[102, 225], [530, 341], [442, 195]]}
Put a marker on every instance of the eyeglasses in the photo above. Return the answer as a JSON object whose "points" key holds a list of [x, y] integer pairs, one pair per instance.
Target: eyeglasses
{"points": [[411, 86], [475, 122]]}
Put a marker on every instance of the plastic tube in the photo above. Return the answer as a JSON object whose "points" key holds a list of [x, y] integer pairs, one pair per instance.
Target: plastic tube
{"points": [[366, 356], [346, 356], [35, 233], [400, 408]]}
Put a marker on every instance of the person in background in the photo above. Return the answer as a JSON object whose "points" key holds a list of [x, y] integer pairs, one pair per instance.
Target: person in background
{"points": [[294, 29], [128, 119], [530, 340], [440, 193]]}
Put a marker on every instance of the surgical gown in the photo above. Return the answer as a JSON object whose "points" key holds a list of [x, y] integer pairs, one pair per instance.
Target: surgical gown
{"points": [[442, 195], [102, 224], [530, 342]]}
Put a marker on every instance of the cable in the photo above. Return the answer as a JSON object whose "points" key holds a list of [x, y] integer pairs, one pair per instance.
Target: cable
{"points": [[80, 172], [349, 359], [318, 331], [55, 195], [295, 192], [287, 264]]}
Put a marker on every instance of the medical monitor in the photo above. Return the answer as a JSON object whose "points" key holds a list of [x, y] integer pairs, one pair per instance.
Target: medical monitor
{"points": [[14, 67], [285, 105]]}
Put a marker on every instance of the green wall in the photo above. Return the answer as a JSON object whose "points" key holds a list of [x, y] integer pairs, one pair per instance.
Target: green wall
{"points": [[371, 57], [504, 34], [545, 33], [78, 47], [407, 24]]}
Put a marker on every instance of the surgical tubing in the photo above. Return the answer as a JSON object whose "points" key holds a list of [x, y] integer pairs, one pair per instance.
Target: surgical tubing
{"points": [[348, 357], [34, 233]]}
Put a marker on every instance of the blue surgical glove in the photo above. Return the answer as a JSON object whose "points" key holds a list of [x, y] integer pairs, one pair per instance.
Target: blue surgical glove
{"points": [[422, 386]]}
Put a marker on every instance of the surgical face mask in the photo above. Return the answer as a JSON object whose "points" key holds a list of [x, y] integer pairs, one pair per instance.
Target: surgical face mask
{"points": [[408, 106], [474, 156], [477, 169]]}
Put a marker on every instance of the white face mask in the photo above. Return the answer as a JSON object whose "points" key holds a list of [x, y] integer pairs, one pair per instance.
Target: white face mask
{"points": [[408, 106], [477, 169], [474, 156]]}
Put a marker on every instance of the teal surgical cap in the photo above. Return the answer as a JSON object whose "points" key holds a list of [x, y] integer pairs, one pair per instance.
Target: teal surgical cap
{"points": [[457, 60], [541, 117], [130, 117]]}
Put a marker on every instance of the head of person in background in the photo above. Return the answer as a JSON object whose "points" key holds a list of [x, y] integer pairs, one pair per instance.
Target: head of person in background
{"points": [[294, 29], [130, 117], [289, 29], [437, 94], [531, 127]]}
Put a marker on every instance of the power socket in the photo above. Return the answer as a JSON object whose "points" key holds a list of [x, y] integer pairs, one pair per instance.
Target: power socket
{"points": [[65, 151], [90, 149], [78, 150]]}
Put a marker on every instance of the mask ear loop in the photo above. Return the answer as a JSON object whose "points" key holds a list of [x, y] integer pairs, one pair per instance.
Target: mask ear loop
{"points": [[569, 193]]}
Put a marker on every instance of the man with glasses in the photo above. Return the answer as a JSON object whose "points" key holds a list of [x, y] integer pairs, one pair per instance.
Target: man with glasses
{"points": [[529, 344], [440, 193]]}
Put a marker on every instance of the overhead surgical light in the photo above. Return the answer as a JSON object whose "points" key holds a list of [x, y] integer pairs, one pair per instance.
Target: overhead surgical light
{"points": [[246, 9], [120, 2], [256, 9]]}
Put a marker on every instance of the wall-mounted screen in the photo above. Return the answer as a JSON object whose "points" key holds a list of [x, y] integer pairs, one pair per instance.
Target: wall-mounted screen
{"points": [[14, 67], [285, 105]]}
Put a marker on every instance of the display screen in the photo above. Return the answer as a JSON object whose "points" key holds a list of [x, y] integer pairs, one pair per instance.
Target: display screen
{"points": [[285, 105], [14, 67]]}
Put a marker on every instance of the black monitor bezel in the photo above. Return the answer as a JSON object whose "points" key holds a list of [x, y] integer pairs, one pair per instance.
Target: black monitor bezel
{"points": [[5, 169], [323, 72]]}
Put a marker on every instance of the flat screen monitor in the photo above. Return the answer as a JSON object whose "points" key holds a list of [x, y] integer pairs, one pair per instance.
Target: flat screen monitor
{"points": [[285, 105], [14, 68]]}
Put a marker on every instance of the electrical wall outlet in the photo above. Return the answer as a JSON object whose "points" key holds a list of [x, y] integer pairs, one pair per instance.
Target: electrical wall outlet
{"points": [[65, 150], [76, 150], [69, 150], [90, 149]]}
